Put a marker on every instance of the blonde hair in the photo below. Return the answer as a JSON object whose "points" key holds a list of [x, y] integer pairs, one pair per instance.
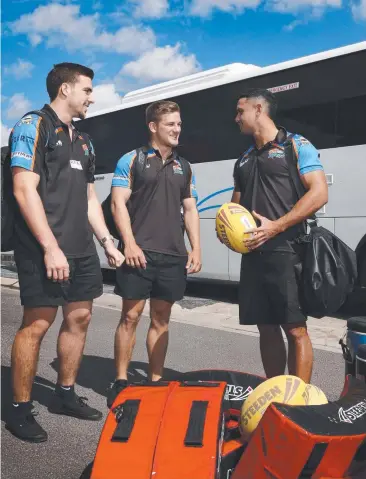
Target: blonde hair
{"points": [[156, 110]]}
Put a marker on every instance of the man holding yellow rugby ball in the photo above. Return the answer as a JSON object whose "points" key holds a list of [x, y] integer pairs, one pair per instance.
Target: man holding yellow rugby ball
{"points": [[268, 293]]}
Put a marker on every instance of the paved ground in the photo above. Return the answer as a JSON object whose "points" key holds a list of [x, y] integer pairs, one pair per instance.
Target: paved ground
{"points": [[202, 336]]}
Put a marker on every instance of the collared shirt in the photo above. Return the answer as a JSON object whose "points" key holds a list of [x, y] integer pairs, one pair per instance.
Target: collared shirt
{"points": [[156, 199], [63, 187], [261, 176]]}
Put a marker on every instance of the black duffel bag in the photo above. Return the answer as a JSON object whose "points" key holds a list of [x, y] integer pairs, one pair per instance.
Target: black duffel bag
{"points": [[329, 271], [328, 268]]}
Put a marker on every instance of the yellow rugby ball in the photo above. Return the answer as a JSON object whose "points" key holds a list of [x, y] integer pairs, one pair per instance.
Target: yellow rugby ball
{"points": [[232, 221], [314, 396], [284, 389]]}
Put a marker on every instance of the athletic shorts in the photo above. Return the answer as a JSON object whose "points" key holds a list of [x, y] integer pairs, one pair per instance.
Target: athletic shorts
{"points": [[164, 278], [36, 290], [268, 291]]}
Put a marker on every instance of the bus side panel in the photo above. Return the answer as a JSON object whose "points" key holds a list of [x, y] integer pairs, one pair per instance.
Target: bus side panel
{"points": [[234, 265], [327, 223], [348, 229], [347, 193], [214, 182], [215, 256]]}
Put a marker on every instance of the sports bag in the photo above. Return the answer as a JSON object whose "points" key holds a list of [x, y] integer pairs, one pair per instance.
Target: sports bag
{"points": [[8, 202], [329, 267]]}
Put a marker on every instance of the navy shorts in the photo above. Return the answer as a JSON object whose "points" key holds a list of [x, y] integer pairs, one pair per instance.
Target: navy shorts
{"points": [[269, 291], [164, 278], [36, 290]]}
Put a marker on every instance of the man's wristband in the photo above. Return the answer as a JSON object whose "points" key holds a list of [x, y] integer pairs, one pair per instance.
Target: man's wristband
{"points": [[103, 241]]}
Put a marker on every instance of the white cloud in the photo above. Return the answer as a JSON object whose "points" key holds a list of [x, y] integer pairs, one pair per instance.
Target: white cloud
{"points": [[294, 6], [5, 132], [204, 8], [97, 5], [150, 8], [19, 69], [97, 66], [291, 26], [64, 26], [35, 39], [359, 10], [105, 96], [161, 63], [18, 105]]}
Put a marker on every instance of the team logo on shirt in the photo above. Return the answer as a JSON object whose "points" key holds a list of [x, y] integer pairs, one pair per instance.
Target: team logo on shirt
{"points": [[86, 149], [276, 153], [177, 168]]}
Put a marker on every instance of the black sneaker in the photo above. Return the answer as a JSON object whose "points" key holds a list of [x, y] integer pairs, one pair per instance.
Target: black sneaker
{"points": [[113, 391], [75, 406], [23, 425]]}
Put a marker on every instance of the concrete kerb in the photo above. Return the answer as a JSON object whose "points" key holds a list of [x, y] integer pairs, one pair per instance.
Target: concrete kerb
{"points": [[10, 282], [325, 333]]}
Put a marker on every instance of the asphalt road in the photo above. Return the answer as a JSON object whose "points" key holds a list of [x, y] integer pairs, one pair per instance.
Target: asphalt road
{"points": [[72, 442]]}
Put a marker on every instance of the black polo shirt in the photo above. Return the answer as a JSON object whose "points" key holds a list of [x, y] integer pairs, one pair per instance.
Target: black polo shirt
{"points": [[64, 176], [156, 199], [262, 177]]}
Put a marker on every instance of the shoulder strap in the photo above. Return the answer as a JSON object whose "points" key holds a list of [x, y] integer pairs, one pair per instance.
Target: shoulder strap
{"points": [[89, 144], [51, 134], [139, 164], [185, 167], [292, 163], [86, 138], [88, 141], [187, 170]]}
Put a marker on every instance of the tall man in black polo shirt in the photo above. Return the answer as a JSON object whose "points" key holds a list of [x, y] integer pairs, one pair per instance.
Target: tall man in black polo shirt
{"points": [[268, 294], [151, 229], [54, 248]]}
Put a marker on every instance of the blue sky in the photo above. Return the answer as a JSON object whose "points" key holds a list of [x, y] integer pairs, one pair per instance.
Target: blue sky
{"points": [[138, 43]]}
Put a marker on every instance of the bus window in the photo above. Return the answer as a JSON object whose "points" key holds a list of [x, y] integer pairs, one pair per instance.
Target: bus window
{"points": [[351, 121], [315, 122]]}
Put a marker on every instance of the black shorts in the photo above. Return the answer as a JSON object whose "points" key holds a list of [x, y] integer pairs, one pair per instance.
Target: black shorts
{"points": [[268, 291], [36, 290], [164, 278]]}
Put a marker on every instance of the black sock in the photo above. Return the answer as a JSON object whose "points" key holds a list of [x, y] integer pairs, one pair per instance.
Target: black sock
{"points": [[22, 406], [121, 382], [65, 391]]}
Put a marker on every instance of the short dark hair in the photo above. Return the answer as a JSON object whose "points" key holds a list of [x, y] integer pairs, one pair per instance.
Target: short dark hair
{"points": [[265, 95], [155, 111], [65, 73]]}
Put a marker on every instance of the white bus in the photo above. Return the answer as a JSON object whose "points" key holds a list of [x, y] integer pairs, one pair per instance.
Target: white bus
{"points": [[322, 97]]}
